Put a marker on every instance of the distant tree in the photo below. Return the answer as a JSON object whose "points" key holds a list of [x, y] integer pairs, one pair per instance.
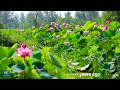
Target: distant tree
{"points": [[68, 17], [111, 15], [50, 16], [1, 22], [36, 18], [80, 17], [46, 16], [14, 21], [77, 17], [22, 20], [40, 18], [60, 19], [30, 19], [6, 17], [1, 17], [53, 16], [92, 15]]}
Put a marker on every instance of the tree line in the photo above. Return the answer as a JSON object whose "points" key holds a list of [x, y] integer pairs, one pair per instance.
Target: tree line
{"points": [[8, 19]]}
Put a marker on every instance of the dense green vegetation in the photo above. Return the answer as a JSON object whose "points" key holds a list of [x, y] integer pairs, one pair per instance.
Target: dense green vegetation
{"points": [[45, 45], [61, 51]]}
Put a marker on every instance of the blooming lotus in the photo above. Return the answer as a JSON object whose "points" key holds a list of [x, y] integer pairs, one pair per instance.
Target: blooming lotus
{"points": [[78, 26], [107, 22], [67, 25], [64, 24], [33, 27], [105, 28], [69, 31], [40, 27], [22, 73], [23, 51], [51, 28], [66, 43], [95, 25], [53, 23], [21, 31], [23, 45], [58, 36], [56, 25]]}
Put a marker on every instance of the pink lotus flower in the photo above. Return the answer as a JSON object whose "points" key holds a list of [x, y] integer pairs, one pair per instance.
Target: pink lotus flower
{"points": [[56, 25], [78, 26], [23, 45], [105, 28], [67, 25], [58, 36], [53, 23], [23, 51], [22, 73], [69, 31], [66, 43], [95, 25], [33, 27], [64, 24], [51, 28], [107, 22], [21, 30], [40, 27]]}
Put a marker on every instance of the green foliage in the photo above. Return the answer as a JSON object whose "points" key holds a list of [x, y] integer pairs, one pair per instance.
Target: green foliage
{"points": [[115, 24], [110, 15], [88, 25], [94, 55]]}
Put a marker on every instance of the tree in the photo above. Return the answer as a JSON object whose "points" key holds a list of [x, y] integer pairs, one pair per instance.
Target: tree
{"points": [[36, 17], [22, 20], [60, 20], [30, 19], [80, 17], [46, 16], [40, 18], [53, 16], [1, 22], [93, 16], [50, 16], [110, 15], [14, 22], [6, 17], [68, 17], [77, 17]]}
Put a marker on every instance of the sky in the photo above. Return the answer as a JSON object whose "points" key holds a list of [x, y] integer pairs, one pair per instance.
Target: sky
{"points": [[59, 12]]}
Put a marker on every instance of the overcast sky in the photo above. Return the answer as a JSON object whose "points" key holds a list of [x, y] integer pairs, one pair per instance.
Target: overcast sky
{"points": [[59, 12]]}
